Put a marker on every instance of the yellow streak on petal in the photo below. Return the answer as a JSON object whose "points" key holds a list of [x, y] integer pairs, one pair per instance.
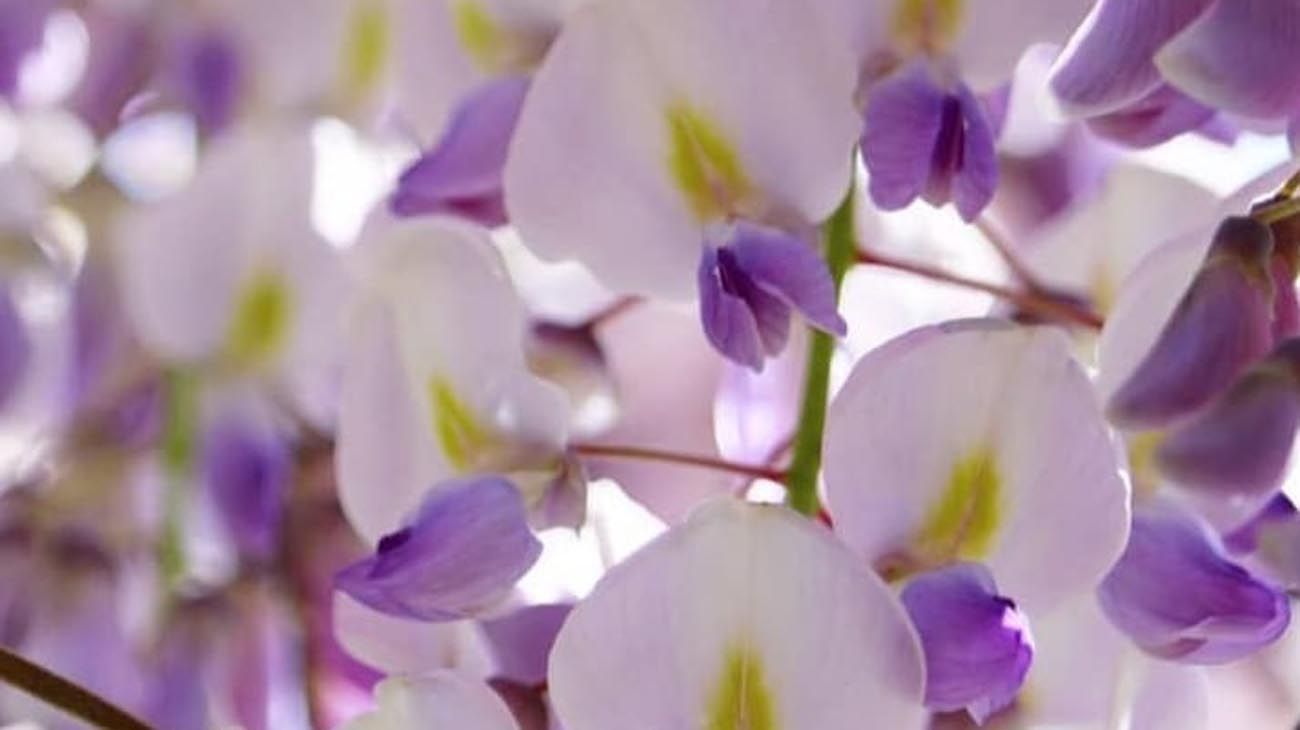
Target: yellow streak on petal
{"points": [[263, 315], [704, 163], [482, 37], [927, 26], [368, 46], [462, 438], [1143, 472], [741, 699], [964, 523]]}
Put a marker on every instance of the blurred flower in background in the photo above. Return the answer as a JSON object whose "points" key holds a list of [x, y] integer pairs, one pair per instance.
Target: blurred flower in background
{"points": [[435, 363]]}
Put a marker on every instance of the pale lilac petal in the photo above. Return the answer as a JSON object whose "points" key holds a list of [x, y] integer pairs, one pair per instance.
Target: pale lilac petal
{"points": [[461, 553], [983, 416], [919, 139], [247, 471], [993, 37], [1176, 595], [743, 610], [521, 642], [439, 700], [976, 643], [1108, 63], [1240, 445], [15, 346], [462, 173], [1221, 325], [1157, 117], [623, 80], [1239, 56]]}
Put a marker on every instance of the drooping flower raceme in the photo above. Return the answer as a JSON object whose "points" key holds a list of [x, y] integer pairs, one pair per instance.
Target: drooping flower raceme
{"points": [[705, 139]]}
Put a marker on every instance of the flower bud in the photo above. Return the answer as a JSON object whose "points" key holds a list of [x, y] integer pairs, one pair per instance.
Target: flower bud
{"points": [[1222, 324], [1178, 597]]}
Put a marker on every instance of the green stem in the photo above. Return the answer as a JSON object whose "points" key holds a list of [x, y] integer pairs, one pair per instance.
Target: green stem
{"points": [[64, 694], [807, 460], [179, 425]]}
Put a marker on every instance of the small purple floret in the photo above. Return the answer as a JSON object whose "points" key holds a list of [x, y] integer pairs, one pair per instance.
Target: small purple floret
{"points": [[462, 174], [976, 643], [750, 284], [461, 552]]}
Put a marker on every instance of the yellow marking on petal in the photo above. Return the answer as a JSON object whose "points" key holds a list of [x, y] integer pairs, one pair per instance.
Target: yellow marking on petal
{"points": [[263, 316], [368, 46], [704, 163], [741, 700], [964, 523], [1143, 473], [928, 26], [482, 37], [462, 438]]}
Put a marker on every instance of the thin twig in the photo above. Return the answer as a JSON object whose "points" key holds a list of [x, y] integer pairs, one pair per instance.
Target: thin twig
{"points": [[65, 694], [1029, 301], [752, 471]]}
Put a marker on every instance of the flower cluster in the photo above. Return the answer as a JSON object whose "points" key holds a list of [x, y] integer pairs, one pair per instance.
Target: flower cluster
{"points": [[628, 365]]}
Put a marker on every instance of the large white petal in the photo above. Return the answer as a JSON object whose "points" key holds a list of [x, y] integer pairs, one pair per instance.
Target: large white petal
{"points": [[596, 129], [743, 589], [995, 34], [435, 306], [920, 413]]}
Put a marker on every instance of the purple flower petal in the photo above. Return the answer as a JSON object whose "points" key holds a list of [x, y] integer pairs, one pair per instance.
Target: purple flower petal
{"points": [[521, 642], [1241, 444], [122, 59], [1271, 541], [208, 77], [1239, 56], [919, 139], [247, 471], [1108, 63], [1157, 117], [976, 643], [15, 347], [461, 552], [462, 173], [750, 285], [1177, 596], [1222, 324]]}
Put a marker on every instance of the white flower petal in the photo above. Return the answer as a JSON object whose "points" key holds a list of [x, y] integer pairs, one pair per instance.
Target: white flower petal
{"points": [[744, 614], [983, 441]]}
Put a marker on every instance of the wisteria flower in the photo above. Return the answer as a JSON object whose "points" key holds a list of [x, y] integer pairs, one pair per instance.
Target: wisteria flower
{"points": [[976, 442], [229, 275], [744, 616], [435, 383], [660, 120], [924, 64], [435, 700]]}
